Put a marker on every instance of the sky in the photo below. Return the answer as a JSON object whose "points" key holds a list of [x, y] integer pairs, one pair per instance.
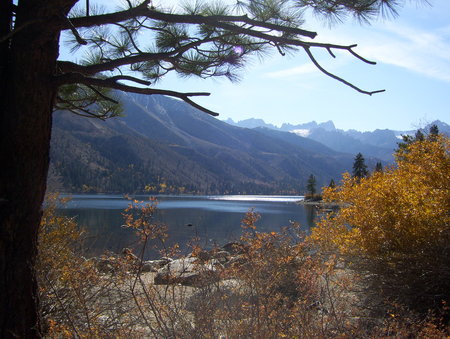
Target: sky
{"points": [[412, 53]]}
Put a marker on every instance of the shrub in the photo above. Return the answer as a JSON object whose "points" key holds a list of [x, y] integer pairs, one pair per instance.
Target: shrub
{"points": [[274, 285], [76, 299], [394, 227]]}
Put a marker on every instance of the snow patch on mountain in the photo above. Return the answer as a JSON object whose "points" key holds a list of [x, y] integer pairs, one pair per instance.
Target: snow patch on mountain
{"points": [[301, 132]]}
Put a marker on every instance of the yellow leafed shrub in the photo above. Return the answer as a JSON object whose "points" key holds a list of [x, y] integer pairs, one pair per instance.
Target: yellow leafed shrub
{"points": [[394, 226]]}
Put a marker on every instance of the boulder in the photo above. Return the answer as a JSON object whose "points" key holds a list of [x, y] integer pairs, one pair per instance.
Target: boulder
{"points": [[153, 265], [222, 256], [237, 260], [187, 272], [104, 265]]}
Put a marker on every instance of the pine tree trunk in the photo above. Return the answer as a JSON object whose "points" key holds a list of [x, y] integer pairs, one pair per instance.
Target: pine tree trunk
{"points": [[27, 94]]}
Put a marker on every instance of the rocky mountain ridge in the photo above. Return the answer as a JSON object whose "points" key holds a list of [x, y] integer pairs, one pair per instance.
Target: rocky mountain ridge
{"points": [[378, 143]]}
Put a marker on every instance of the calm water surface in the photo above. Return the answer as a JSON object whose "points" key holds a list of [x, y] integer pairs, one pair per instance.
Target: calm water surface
{"points": [[214, 219]]}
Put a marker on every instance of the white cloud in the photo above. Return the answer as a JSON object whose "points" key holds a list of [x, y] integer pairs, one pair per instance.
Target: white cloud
{"points": [[424, 52]]}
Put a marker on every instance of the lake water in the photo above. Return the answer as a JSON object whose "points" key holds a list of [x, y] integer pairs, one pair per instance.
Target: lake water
{"points": [[214, 219]]}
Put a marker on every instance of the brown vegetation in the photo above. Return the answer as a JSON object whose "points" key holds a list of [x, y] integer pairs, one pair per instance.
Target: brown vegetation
{"points": [[272, 285]]}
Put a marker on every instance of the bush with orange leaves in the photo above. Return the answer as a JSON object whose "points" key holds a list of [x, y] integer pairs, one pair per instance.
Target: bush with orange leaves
{"points": [[270, 289], [77, 301], [394, 228]]}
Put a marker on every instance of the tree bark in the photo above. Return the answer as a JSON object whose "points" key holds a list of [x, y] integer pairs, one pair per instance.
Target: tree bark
{"points": [[27, 93]]}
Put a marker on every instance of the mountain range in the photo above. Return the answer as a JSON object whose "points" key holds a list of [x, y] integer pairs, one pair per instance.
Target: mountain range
{"points": [[377, 144], [167, 146], [170, 147]]}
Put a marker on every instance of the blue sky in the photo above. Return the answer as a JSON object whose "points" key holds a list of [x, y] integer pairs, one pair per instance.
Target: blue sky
{"points": [[413, 65], [412, 53]]}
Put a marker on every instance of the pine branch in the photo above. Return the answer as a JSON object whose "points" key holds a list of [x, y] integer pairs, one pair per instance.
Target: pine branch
{"points": [[209, 60], [76, 78], [213, 20], [67, 66]]}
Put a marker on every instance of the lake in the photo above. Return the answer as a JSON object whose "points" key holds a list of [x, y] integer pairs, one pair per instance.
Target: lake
{"points": [[215, 220]]}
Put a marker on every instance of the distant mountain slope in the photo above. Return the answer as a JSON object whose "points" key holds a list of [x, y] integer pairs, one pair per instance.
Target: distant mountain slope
{"points": [[92, 155], [167, 144], [342, 142], [378, 144]]}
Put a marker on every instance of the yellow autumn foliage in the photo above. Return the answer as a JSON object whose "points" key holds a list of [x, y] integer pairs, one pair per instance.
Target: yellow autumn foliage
{"points": [[395, 225]]}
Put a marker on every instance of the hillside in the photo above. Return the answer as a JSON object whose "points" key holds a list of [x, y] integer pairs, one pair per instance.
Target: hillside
{"points": [[169, 145]]}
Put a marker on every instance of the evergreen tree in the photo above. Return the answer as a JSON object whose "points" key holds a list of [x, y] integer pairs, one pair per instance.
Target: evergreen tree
{"points": [[418, 136], [378, 167], [434, 132], [332, 184], [311, 186], [359, 167]]}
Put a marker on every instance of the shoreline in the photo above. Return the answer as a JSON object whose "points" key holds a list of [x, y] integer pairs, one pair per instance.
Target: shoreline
{"points": [[320, 204]]}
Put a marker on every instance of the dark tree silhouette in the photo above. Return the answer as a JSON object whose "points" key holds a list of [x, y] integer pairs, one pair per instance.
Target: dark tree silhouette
{"points": [[359, 167], [378, 167], [332, 184], [434, 131], [311, 185]]}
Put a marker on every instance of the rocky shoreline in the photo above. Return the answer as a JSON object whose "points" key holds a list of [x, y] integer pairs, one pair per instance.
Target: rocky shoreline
{"points": [[195, 269], [320, 204]]}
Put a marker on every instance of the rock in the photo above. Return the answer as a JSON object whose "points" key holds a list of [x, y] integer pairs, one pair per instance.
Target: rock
{"points": [[237, 260], [147, 266], [153, 265], [163, 261], [104, 265], [222, 256], [216, 264], [187, 272]]}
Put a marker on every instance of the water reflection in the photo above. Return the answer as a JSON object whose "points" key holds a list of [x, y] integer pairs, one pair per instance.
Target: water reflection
{"points": [[215, 220]]}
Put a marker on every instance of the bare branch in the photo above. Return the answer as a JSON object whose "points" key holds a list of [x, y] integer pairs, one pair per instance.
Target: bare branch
{"points": [[331, 75], [331, 52], [110, 65], [130, 36], [102, 95], [287, 41], [74, 31], [130, 78], [256, 31], [360, 57], [280, 50]]}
